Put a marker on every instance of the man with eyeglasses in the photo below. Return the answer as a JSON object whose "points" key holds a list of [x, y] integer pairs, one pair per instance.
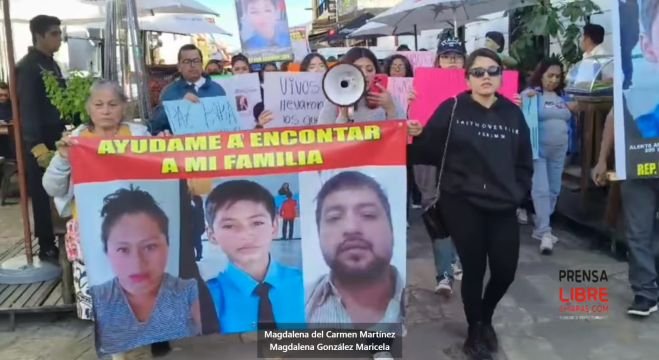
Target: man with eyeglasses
{"points": [[191, 86]]}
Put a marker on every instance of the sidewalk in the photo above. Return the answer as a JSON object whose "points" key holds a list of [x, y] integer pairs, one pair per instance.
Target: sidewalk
{"points": [[528, 319]]}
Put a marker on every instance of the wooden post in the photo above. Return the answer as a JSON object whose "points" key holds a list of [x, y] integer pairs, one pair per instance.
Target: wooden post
{"points": [[18, 139]]}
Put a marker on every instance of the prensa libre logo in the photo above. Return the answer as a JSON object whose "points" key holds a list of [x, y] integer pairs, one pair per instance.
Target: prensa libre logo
{"points": [[584, 295]]}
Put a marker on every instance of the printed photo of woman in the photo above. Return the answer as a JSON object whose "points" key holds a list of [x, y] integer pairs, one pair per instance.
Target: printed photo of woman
{"points": [[142, 304]]}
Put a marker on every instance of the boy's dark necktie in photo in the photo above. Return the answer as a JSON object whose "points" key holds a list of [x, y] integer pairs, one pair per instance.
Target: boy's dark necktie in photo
{"points": [[266, 317]]}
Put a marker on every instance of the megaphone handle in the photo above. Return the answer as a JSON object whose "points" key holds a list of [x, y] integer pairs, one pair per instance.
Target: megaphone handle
{"points": [[351, 114]]}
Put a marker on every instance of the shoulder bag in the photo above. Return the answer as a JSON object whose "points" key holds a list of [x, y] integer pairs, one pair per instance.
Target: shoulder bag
{"points": [[432, 217]]}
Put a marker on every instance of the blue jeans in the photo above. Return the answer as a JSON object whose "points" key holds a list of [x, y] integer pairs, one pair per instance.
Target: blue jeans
{"points": [[445, 255], [640, 201], [547, 177]]}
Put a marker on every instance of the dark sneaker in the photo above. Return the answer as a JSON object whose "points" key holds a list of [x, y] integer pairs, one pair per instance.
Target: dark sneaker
{"points": [[160, 349], [490, 338], [642, 306], [474, 347], [50, 255]]}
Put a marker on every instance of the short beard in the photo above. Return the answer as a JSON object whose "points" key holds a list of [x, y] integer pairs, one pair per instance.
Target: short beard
{"points": [[347, 275]]}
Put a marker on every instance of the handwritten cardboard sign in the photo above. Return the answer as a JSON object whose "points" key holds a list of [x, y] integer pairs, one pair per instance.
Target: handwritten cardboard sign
{"points": [[295, 99], [245, 92], [400, 88], [429, 95], [419, 59], [211, 114]]}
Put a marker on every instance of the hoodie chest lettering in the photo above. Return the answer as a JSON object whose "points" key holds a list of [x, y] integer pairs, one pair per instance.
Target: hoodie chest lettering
{"points": [[486, 130]]}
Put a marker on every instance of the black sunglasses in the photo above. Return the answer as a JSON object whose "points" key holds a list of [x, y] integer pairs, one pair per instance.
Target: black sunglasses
{"points": [[480, 72]]}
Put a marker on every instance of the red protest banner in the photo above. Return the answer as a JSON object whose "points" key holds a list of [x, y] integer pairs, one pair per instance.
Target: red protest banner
{"points": [[246, 153], [165, 219]]}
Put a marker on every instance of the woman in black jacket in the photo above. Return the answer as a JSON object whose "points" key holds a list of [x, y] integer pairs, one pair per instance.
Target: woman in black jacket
{"points": [[487, 171]]}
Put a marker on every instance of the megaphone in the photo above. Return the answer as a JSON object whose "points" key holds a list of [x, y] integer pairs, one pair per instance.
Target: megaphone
{"points": [[344, 85]]}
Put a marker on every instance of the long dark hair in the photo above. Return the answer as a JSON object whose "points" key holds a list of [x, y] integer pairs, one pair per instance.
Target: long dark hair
{"points": [[409, 72], [304, 66], [541, 69], [357, 53], [240, 57]]}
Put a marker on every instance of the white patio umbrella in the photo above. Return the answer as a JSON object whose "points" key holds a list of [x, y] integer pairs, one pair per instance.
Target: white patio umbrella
{"points": [[82, 12], [181, 24], [174, 6], [424, 13], [185, 24], [164, 6], [374, 28], [69, 11]]}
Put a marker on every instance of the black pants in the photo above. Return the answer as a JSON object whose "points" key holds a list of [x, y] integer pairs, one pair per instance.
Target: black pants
{"points": [[198, 247], [287, 228], [188, 268], [43, 221], [481, 236], [6, 148], [413, 192]]}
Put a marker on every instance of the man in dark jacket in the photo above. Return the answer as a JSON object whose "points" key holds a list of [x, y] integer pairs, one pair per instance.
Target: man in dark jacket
{"points": [[192, 85], [41, 122]]}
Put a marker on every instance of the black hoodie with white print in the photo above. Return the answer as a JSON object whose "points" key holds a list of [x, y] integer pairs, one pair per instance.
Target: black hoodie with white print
{"points": [[489, 159]]}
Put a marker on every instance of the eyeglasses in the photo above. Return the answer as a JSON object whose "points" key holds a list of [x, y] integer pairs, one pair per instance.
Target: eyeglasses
{"points": [[479, 72], [191, 61]]}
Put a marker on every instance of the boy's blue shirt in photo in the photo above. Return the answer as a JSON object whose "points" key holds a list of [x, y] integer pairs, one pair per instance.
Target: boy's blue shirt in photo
{"points": [[237, 304], [648, 124], [256, 42]]}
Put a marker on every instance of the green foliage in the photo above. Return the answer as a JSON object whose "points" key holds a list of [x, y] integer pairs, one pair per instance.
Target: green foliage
{"points": [[70, 100], [560, 21]]}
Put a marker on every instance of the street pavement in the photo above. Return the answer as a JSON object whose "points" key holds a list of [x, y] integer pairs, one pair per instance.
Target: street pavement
{"points": [[528, 320]]}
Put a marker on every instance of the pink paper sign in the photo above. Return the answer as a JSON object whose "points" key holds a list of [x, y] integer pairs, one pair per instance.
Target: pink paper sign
{"points": [[419, 59], [434, 86], [400, 88]]}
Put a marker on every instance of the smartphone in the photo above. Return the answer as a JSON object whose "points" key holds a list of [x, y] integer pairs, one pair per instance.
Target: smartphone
{"points": [[382, 80]]}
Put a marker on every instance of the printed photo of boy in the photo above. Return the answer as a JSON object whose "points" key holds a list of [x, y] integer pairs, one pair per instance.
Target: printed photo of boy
{"points": [[648, 123], [264, 31], [254, 291]]}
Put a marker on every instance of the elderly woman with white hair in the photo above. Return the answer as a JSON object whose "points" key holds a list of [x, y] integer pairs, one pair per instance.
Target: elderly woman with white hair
{"points": [[106, 107]]}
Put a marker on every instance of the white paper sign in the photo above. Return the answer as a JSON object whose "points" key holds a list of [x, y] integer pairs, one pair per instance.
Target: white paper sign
{"points": [[244, 92], [400, 88], [295, 99]]}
